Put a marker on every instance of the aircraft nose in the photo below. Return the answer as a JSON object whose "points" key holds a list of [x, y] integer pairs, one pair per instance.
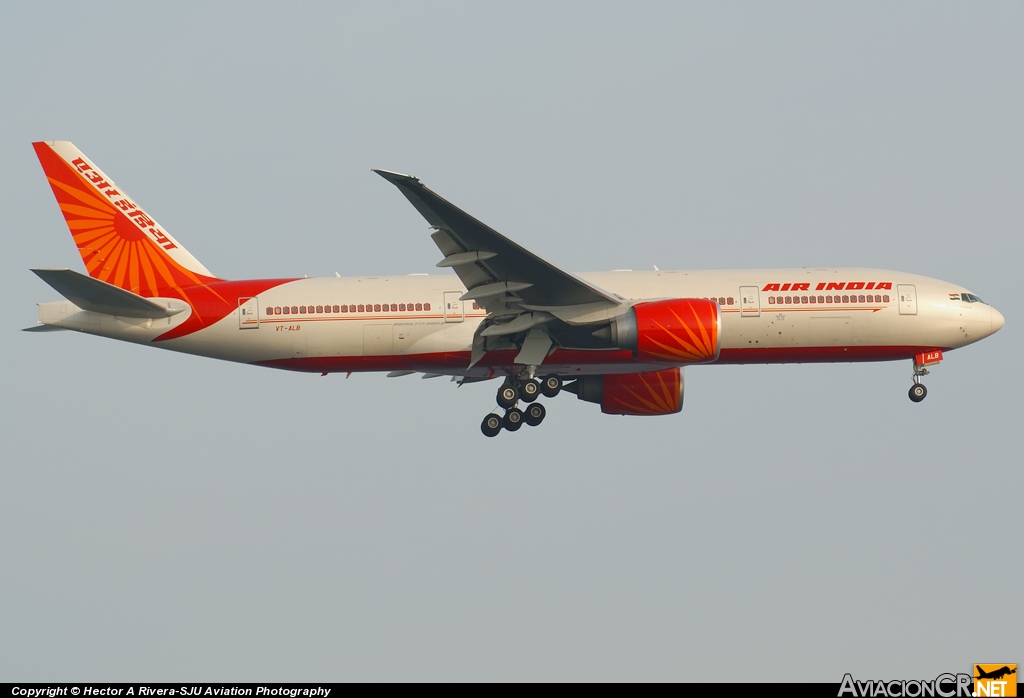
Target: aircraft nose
{"points": [[997, 320]]}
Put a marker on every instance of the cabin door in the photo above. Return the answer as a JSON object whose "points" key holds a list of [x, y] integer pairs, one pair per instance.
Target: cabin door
{"points": [[908, 299], [750, 301], [248, 313]]}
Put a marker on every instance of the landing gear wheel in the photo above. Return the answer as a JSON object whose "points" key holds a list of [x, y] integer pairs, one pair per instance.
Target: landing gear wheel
{"points": [[491, 425], [529, 390], [513, 419], [551, 386], [535, 414], [507, 396], [918, 392]]}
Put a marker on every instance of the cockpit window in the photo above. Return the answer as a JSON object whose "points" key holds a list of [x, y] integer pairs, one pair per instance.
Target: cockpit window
{"points": [[971, 298]]}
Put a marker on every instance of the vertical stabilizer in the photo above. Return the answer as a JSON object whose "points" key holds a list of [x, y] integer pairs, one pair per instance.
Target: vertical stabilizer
{"points": [[119, 242]]}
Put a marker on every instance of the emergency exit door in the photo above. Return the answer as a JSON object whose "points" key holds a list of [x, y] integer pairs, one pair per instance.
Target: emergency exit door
{"points": [[452, 307]]}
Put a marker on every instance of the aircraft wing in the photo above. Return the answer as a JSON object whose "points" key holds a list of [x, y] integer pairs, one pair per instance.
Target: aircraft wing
{"points": [[497, 271], [520, 291]]}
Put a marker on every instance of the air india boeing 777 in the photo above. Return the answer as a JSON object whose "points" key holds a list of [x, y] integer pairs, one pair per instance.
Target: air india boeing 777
{"points": [[619, 339]]}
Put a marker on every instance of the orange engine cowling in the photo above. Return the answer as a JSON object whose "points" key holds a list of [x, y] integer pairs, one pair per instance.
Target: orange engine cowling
{"points": [[656, 392], [676, 331]]}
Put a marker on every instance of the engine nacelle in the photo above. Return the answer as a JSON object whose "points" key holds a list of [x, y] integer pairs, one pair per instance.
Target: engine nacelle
{"points": [[657, 392], [676, 331]]}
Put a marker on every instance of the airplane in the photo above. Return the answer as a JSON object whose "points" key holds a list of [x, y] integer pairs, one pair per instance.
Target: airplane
{"points": [[995, 674], [620, 339]]}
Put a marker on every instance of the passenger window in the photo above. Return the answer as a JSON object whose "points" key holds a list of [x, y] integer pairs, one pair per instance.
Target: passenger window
{"points": [[419, 306], [771, 299], [861, 299], [394, 307], [803, 299], [885, 298], [821, 299], [319, 309], [729, 300], [814, 299], [789, 299], [361, 306], [344, 308], [376, 308], [778, 299], [426, 306]]}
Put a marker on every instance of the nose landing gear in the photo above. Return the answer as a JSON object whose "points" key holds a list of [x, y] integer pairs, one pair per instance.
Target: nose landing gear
{"points": [[917, 391], [527, 389]]}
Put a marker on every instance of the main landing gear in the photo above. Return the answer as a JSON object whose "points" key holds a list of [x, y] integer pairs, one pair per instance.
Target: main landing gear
{"points": [[513, 390], [917, 391]]}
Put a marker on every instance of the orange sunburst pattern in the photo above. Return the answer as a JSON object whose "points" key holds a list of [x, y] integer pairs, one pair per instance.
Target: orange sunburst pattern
{"points": [[679, 331], [110, 232], [654, 393]]}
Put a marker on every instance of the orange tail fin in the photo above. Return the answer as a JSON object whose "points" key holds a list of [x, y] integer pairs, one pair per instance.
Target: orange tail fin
{"points": [[118, 241]]}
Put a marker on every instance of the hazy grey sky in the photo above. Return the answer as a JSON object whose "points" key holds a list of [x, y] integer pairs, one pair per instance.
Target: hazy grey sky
{"points": [[166, 517]]}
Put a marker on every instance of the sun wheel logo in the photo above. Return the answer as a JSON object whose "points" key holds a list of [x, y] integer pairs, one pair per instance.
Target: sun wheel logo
{"points": [[995, 680]]}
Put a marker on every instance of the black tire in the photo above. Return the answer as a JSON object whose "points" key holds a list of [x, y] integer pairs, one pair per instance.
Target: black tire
{"points": [[551, 385], [491, 425], [513, 419], [529, 391], [918, 392], [508, 396], [535, 414]]}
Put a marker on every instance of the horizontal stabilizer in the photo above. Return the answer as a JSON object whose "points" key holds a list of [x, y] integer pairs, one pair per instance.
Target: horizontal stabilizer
{"points": [[100, 297], [44, 328]]}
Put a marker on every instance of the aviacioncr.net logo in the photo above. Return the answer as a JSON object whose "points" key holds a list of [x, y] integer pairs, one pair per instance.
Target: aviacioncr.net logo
{"points": [[942, 686]]}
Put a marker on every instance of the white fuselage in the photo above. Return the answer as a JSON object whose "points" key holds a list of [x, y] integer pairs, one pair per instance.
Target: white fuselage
{"points": [[833, 315]]}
